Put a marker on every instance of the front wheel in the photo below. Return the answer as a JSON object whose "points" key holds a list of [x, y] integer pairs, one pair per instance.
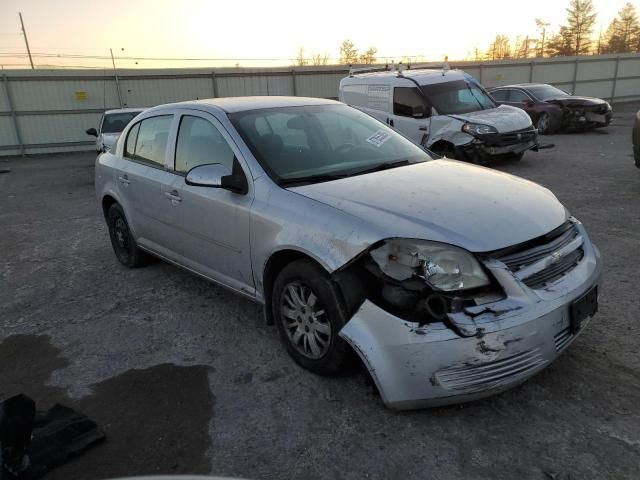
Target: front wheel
{"points": [[545, 124], [309, 314]]}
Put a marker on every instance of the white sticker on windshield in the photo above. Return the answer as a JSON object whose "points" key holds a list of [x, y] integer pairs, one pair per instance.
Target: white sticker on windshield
{"points": [[379, 138]]}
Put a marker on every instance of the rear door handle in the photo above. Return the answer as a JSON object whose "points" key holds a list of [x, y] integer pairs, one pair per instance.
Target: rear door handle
{"points": [[174, 196], [391, 122], [124, 179]]}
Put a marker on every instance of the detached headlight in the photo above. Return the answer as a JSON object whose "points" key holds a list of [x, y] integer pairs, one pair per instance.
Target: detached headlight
{"points": [[443, 267], [478, 129]]}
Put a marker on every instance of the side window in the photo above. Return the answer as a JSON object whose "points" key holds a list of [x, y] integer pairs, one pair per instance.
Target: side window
{"points": [[130, 146], [405, 100], [147, 140], [200, 143], [518, 96], [500, 95]]}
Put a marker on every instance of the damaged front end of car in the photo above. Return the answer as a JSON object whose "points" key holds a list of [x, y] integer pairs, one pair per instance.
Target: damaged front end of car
{"points": [[583, 115], [435, 324]]}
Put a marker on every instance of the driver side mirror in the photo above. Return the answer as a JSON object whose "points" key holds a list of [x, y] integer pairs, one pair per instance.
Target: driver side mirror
{"points": [[419, 111], [92, 131], [216, 175]]}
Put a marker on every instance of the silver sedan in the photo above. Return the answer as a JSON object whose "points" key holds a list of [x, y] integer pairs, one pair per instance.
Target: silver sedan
{"points": [[450, 281]]}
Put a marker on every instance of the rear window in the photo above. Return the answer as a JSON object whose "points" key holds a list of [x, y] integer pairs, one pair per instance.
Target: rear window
{"points": [[500, 95], [116, 122], [147, 140]]}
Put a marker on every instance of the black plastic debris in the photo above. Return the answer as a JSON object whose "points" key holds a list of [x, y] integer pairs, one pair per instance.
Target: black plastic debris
{"points": [[31, 443]]}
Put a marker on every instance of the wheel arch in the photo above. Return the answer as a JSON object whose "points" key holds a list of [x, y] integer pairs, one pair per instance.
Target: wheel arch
{"points": [[273, 266]]}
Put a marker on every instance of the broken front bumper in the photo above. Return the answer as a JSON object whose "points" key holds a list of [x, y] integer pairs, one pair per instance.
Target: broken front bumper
{"points": [[417, 365], [504, 143]]}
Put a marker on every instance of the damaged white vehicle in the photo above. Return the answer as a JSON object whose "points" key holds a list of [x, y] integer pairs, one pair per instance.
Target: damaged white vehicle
{"points": [[450, 281], [446, 111]]}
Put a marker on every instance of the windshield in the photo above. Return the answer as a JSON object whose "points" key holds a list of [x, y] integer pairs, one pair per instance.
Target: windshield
{"points": [[322, 141], [115, 122], [457, 97], [546, 92]]}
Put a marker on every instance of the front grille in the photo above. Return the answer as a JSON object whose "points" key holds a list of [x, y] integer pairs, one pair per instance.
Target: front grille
{"points": [[554, 251], [555, 271], [490, 374], [509, 138]]}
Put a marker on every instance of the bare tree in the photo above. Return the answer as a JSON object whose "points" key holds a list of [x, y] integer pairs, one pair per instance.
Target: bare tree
{"points": [[541, 25], [499, 49], [300, 60], [319, 59], [369, 56], [574, 38], [623, 33], [348, 53]]}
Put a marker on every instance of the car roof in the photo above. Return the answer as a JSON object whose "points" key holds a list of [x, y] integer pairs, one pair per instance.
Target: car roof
{"points": [[241, 104], [520, 85], [424, 76], [125, 110]]}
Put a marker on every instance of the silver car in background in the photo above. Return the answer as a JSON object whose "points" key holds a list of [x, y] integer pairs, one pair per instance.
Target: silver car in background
{"points": [[112, 123], [451, 281]]}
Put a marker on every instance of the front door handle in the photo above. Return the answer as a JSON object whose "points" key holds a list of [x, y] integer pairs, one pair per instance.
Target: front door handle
{"points": [[124, 179], [423, 129], [174, 196]]}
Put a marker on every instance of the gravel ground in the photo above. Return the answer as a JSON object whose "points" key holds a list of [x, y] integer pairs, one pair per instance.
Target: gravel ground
{"points": [[186, 378]]}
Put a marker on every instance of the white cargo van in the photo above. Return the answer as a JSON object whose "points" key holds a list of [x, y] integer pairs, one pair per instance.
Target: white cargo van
{"points": [[446, 111]]}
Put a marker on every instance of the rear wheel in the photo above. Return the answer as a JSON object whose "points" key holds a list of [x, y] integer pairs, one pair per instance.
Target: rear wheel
{"points": [[124, 245], [309, 314]]}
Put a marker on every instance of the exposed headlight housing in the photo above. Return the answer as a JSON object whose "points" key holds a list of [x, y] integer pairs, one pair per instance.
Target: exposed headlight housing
{"points": [[478, 129], [443, 267]]}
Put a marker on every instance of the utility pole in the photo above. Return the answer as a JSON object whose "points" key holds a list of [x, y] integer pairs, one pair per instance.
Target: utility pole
{"points": [[26, 41], [115, 73]]}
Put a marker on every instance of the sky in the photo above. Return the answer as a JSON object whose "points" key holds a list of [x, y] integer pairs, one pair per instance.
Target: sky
{"points": [[262, 33]]}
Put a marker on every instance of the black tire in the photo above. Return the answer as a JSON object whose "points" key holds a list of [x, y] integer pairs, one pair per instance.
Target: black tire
{"points": [[545, 124], [336, 353], [124, 245]]}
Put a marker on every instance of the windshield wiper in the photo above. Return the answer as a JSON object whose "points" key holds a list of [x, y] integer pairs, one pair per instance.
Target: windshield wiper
{"points": [[310, 179], [382, 166]]}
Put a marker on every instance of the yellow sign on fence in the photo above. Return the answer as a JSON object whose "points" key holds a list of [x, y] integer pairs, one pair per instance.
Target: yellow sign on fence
{"points": [[80, 95]]}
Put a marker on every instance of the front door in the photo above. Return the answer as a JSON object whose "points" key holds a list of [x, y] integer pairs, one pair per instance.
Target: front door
{"points": [[211, 225], [406, 118]]}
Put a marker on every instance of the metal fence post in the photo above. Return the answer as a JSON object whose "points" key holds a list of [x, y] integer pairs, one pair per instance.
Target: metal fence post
{"points": [[575, 77], [481, 69], [531, 72], [14, 115], [293, 82], [214, 84], [615, 79]]}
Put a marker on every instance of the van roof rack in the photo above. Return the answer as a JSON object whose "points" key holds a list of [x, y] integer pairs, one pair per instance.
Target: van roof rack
{"points": [[353, 71]]}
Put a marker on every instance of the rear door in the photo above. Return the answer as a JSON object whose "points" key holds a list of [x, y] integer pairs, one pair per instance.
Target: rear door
{"points": [[210, 225], [141, 178], [407, 103]]}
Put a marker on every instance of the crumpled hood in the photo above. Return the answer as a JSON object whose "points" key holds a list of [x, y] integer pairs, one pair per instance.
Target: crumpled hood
{"points": [[576, 101], [505, 118], [447, 201], [109, 139]]}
